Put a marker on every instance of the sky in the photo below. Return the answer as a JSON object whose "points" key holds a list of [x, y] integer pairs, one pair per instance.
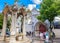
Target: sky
{"points": [[30, 4]]}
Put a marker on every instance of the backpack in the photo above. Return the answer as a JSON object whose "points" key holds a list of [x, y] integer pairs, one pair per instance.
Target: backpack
{"points": [[52, 34]]}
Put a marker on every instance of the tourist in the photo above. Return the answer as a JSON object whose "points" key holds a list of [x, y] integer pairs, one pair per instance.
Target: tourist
{"points": [[46, 36], [42, 29]]}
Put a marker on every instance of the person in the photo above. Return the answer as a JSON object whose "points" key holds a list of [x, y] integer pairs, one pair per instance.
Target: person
{"points": [[52, 35], [42, 29], [46, 37]]}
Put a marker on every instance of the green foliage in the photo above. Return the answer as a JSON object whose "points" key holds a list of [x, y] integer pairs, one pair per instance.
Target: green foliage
{"points": [[49, 9], [1, 20], [8, 24]]}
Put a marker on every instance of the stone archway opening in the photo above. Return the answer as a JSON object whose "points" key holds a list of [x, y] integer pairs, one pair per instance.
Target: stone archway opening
{"points": [[36, 30]]}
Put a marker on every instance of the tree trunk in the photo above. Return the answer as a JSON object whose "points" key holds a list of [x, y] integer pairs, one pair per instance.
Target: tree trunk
{"points": [[50, 26]]}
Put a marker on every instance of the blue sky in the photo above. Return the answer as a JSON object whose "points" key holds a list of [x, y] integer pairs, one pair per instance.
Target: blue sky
{"points": [[27, 3]]}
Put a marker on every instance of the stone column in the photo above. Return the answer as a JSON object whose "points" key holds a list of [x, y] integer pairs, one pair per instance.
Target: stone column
{"points": [[16, 24], [24, 30], [4, 26], [13, 30]]}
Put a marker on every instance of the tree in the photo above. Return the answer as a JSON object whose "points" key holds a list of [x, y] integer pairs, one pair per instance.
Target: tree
{"points": [[8, 23], [1, 20], [49, 9]]}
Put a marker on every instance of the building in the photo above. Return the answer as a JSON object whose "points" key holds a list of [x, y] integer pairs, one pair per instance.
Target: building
{"points": [[31, 21]]}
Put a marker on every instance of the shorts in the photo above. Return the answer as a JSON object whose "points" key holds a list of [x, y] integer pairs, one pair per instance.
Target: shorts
{"points": [[41, 35]]}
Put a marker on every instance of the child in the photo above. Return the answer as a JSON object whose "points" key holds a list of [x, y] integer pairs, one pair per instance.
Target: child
{"points": [[47, 37]]}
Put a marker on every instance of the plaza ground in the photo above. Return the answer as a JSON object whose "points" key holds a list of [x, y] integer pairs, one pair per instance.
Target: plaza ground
{"points": [[37, 39]]}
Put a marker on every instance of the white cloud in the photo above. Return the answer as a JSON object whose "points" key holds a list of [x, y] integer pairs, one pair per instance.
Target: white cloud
{"points": [[31, 6], [37, 1]]}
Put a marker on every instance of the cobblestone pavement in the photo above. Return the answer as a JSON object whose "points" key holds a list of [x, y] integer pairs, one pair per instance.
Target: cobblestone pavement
{"points": [[37, 40]]}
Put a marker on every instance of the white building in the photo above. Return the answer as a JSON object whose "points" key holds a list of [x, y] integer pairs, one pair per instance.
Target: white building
{"points": [[30, 20]]}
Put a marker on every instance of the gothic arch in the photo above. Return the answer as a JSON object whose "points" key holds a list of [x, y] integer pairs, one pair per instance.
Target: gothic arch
{"points": [[36, 29]]}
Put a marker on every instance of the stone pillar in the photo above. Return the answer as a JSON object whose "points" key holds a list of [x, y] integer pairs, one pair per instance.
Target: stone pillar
{"points": [[4, 26], [24, 30], [16, 23], [13, 29]]}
